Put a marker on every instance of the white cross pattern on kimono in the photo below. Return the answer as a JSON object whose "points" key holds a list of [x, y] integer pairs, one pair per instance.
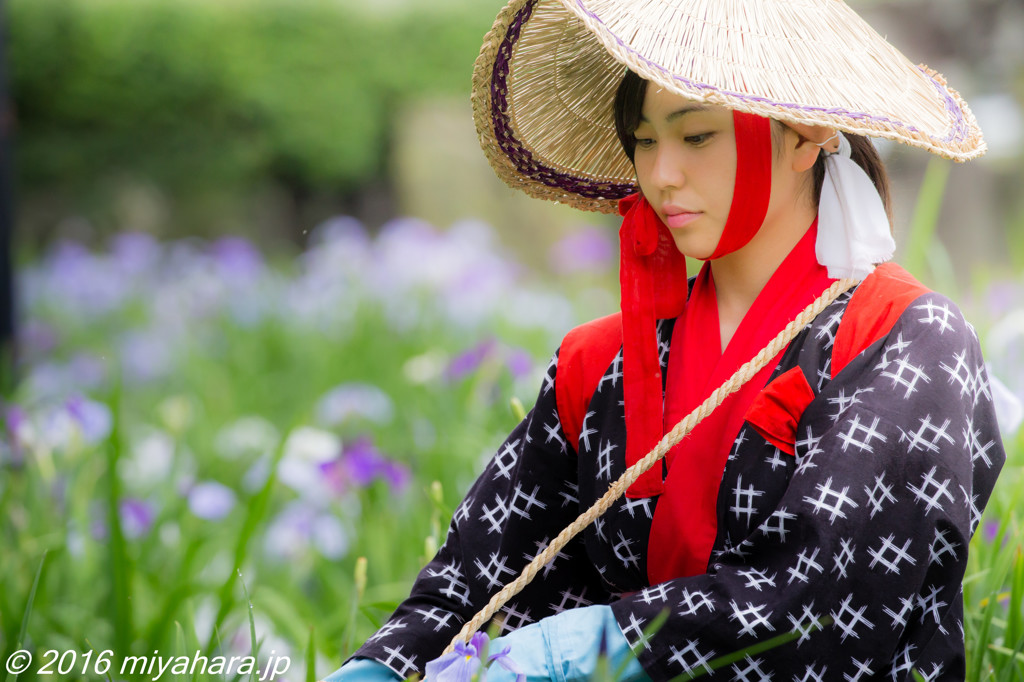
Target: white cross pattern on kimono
{"points": [[856, 544]]}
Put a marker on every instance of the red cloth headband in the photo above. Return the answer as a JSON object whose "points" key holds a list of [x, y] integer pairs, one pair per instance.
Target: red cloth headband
{"points": [[753, 187]]}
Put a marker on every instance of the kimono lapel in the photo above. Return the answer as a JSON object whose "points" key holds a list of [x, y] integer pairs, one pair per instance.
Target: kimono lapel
{"points": [[685, 521]]}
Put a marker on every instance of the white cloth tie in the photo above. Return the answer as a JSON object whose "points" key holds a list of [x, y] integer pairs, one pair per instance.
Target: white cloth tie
{"points": [[853, 228]]}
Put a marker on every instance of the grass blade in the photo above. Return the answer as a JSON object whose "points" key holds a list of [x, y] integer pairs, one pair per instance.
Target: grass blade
{"points": [[976, 658], [311, 658], [357, 598], [926, 216], [117, 555], [252, 628], [28, 611], [181, 642], [254, 515]]}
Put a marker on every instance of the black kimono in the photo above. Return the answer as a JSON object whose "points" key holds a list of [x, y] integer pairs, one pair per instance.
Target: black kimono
{"points": [[856, 545]]}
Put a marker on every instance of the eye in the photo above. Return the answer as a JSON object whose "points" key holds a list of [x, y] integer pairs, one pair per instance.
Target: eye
{"points": [[698, 140], [643, 142]]}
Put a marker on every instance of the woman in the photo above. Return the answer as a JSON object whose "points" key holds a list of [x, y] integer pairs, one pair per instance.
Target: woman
{"points": [[823, 511]]}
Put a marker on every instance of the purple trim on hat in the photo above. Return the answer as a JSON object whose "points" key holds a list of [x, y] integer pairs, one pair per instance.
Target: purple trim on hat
{"points": [[960, 126], [961, 129], [524, 161]]}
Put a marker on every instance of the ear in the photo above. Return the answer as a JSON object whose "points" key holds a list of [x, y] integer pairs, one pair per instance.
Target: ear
{"points": [[808, 144]]}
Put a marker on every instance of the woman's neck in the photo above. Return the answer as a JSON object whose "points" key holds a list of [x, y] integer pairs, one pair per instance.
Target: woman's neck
{"points": [[740, 276]]}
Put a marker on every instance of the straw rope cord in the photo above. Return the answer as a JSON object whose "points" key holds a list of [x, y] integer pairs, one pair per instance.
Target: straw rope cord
{"points": [[744, 374]]}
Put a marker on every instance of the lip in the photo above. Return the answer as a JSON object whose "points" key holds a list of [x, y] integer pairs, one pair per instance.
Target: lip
{"points": [[676, 216]]}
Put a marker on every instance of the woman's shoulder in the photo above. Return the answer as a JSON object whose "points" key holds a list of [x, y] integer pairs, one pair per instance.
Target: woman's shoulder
{"points": [[936, 316], [591, 346], [891, 302], [584, 355], [593, 331], [601, 336]]}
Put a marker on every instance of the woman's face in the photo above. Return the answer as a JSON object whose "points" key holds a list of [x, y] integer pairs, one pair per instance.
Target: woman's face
{"points": [[686, 166]]}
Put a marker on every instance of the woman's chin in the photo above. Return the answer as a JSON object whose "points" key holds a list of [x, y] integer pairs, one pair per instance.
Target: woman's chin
{"points": [[692, 246]]}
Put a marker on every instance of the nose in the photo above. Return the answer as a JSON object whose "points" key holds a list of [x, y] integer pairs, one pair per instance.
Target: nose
{"points": [[667, 169]]}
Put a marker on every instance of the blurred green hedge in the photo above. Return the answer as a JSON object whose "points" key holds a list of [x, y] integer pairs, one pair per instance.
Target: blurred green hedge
{"points": [[228, 92]]}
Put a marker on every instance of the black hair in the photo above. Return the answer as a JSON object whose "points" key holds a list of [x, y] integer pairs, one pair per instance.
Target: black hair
{"points": [[629, 101]]}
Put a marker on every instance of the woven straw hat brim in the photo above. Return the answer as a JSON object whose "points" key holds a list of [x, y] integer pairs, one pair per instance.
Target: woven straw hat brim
{"points": [[545, 80]]}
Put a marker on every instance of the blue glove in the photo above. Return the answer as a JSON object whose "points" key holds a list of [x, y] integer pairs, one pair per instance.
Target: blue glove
{"points": [[565, 648], [363, 670]]}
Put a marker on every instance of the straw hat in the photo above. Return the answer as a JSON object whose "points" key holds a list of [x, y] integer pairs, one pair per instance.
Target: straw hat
{"points": [[545, 80]]}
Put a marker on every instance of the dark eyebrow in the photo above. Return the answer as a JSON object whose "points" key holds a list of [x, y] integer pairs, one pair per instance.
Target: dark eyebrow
{"points": [[679, 113]]}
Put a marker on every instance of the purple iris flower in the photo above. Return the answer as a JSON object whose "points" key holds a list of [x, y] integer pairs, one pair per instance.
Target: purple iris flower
{"points": [[145, 356], [397, 476], [136, 517], [334, 475], [469, 361], [136, 253], [81, 283], [503, 659], [210, 500], [339, 229], [237, 259], [15, 418], [589, 249], [361, 463], [37, 338], [301, 527], [354, 399], [520, 363], [87, 371], [458, 666], [990, 531], [339, 256], [47, 381], [461, 664], [94, 419], [14, 421], [98, 530]]}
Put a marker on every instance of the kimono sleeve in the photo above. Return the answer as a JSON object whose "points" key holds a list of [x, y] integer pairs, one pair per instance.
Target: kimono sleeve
{"points": [[856, 572], [525, 496]]}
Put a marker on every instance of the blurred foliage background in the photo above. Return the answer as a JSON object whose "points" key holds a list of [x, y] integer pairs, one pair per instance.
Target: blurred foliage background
{"points": [[265, 117], [198, 117], [250, 358]]}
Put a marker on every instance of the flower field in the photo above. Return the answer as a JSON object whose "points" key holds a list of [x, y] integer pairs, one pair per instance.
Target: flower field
{"points": [[206, 441]]}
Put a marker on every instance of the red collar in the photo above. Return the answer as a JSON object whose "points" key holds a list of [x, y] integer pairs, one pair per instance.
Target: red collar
{"points": [[685, 520]]}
